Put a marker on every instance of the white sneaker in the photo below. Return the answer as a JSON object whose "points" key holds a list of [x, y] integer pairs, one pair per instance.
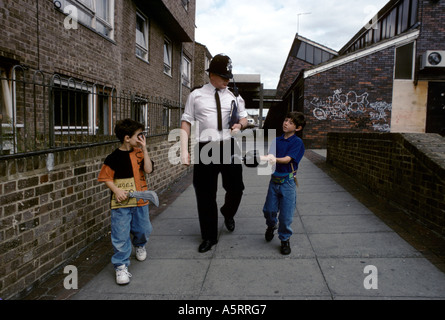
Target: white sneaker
{"points": [[122, 275], [141, 253]]}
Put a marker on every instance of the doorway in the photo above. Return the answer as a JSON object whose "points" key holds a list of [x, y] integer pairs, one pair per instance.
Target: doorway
{"points": [[435, 117]]}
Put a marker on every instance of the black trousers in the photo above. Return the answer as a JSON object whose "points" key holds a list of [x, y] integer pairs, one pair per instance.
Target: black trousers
{"points": [[205, 182]]}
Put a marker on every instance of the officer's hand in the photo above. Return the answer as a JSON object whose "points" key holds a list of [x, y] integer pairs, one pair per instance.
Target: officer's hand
{"points": [[185, 158], [236, 128]]}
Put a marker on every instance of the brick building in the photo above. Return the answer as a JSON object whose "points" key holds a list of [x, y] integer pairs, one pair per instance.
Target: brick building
{"points": [[69, 69], [303, 54], [387, 78], [201, 63]]}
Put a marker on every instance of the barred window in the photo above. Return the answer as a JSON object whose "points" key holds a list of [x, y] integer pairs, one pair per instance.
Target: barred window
{"points": [[71, 105]]}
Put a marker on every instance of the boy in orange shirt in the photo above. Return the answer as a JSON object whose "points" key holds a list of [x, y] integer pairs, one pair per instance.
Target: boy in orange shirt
{"points": [[123, 171]]}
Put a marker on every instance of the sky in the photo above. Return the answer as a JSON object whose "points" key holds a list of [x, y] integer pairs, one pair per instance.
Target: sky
{"points": [[257, 34]]}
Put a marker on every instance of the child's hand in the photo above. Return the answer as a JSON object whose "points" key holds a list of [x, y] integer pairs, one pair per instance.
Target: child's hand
{"points": [[142, 140], [269, 158], [121, 195]]}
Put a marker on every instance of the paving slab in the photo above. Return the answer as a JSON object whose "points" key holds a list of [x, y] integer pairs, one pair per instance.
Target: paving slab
{"points": [[335, 238], [398, 278], [264, 277]]}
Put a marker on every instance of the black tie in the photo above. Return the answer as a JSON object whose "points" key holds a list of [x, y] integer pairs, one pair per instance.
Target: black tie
{"points": [[218, 106]]}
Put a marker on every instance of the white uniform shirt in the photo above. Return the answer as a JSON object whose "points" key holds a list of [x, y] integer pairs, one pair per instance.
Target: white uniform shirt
{"points": [[201, 108]]}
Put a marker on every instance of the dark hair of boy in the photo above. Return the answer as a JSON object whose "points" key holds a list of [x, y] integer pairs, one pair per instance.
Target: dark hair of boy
{"points": [[297, 118], [126, 127]]}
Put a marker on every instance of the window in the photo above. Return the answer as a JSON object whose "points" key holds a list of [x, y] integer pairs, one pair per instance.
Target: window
{"points": [[141, 112], [317, 56], [167, 57], [5, 98], [404, 17], [7, 144], [404, 62], [310, 54], [103, 112], [186, 71], [71, 109], [394, 22], [95, 14], [141, 36], [413, 16], [80, 108], [302, 51], [185, 4], [165, 115]]}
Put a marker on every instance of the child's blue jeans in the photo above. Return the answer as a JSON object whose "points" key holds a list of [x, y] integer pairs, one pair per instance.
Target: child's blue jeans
{"points": [[282, 199], [126, 221]]}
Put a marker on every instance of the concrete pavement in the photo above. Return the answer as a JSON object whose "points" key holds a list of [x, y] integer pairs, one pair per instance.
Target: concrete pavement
{"points": [[336, 239]]}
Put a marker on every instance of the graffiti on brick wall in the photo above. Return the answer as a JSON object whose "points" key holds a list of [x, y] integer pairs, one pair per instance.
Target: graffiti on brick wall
{"points": [[341, 106]]}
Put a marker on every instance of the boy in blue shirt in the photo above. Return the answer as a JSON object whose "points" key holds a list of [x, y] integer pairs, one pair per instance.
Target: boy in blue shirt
{"points": [[282, 196]]}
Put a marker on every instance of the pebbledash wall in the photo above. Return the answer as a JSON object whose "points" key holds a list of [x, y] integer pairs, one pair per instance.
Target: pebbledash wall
{"points": [[407, 169]]}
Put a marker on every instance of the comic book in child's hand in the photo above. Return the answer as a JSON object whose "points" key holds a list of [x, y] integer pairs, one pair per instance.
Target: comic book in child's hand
{"points": [[127, 185]]}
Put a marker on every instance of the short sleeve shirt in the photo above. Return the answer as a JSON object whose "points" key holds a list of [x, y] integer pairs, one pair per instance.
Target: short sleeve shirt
{"points": [[292, 147], [123, 165], [201, 108]]}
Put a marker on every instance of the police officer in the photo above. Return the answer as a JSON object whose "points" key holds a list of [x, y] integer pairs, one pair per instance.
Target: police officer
{"points": [[210, 108]]}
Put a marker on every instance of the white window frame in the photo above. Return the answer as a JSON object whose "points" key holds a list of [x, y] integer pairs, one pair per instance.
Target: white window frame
{"points": [[186, 71], [145, 36], [167, 47], [6, 94], [9, 121], [87, 15]]}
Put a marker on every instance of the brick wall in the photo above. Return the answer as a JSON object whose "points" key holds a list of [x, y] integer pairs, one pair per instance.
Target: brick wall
{"points": [[48, 216], [431, 15], [51, 213], [84, 54], [406, 168], [289, 74], [356, 96], [201, 53]]}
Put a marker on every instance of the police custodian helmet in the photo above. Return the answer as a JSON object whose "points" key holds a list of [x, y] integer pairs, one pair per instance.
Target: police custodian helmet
{"points": [[222, 66]]}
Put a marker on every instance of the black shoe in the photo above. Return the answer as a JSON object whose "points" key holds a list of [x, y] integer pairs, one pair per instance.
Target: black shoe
{"points": [[285, 247], [270, 233], [206, 245], [230, 224]]}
